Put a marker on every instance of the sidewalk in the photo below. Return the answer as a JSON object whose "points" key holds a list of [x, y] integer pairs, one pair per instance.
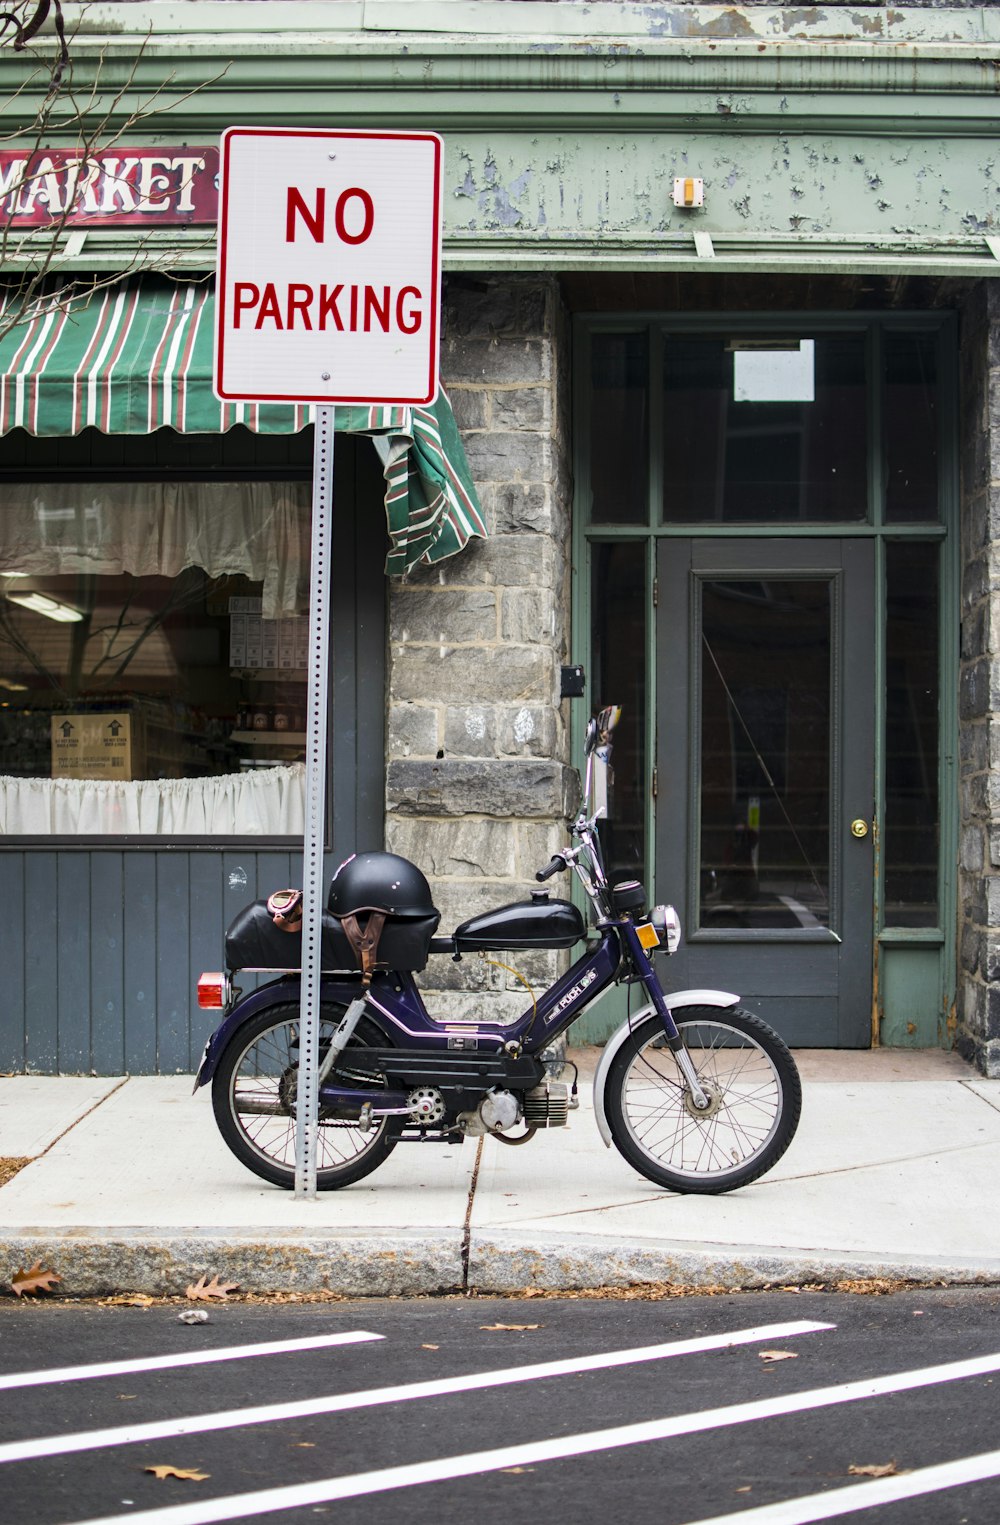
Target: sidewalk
{"points": [[893, 1173]]}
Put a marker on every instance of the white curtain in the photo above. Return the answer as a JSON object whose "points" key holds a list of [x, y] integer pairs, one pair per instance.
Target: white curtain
{"points": [[262, 802], [156, 529]]}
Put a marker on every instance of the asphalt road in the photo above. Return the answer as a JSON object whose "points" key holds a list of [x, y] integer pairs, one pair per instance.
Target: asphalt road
{"points": [[689, 1409]]}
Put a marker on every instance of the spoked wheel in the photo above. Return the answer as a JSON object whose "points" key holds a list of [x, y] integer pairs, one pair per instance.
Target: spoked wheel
{"points": [[754, 1101], [254, 1093]]}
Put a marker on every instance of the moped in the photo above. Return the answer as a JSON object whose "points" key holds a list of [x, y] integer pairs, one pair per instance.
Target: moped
{"points": [[696, 1093]]}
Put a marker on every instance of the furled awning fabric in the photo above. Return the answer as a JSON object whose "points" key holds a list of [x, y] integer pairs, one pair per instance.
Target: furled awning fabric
{"points": [[137, 356]]}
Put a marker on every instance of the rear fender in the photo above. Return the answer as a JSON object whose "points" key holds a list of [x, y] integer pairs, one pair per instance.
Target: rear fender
{"points": [[676, 1000], [277, 993]]}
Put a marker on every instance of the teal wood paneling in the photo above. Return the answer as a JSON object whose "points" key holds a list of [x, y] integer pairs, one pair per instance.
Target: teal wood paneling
{"points": [[12, 1034], [139, 963], [173, 962], [71, 954], [107, 974], [205, 933], [41, 986], [102, 950]]}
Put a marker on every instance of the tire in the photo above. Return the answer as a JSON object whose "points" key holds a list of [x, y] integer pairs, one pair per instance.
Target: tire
{"points": [[260, 1065], [755, 1096]]}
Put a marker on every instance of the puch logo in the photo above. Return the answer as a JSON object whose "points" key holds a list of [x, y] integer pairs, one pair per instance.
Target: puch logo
{"points": [[571, 996]]}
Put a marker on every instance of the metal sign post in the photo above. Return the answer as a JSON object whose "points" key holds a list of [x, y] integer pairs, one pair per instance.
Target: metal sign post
{"points": [[327, 292], [307, 1091]]}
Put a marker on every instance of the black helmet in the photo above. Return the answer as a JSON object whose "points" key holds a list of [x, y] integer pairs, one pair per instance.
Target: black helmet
{"points": [[380, 882]]}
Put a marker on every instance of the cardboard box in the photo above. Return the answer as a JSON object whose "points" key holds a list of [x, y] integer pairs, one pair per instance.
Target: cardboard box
{"points": [[93, 746]]}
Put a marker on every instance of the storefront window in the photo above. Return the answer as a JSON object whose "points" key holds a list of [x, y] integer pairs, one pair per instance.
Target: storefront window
{"points": [[618, 594], [618, 428], [764, 431], [911, 428], [152, 657], [910, 836]]}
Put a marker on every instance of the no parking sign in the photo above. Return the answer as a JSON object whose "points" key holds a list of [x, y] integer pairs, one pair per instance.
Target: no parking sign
{"points": [[329, 266]]}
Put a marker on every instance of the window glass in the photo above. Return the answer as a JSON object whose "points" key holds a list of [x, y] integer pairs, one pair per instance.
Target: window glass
{"points": [[765, 753], [618, 669], [911, 826], [746, 443], [152, 657], [618, 428], [910, 428]]}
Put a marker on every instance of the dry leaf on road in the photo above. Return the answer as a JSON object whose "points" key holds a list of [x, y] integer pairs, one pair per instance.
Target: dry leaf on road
{"points": [[35, 1280], [510, 1326], [874, 1469], [199, 1291], [186, 1474], [778, 1355]]}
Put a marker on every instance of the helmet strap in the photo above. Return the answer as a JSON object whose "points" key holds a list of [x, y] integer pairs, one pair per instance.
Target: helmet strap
{"points": [[365, 940]]}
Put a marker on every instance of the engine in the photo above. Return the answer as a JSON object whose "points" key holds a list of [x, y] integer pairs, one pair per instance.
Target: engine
{"points": [[544, 1106]]}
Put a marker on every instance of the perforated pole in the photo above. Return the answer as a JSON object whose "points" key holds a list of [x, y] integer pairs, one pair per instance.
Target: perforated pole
{"points": [[306, 1119]]}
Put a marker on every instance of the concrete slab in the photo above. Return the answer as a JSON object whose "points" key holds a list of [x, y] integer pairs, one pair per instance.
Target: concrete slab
{"points": [[36, 1109], [151, 1156], [137, 1192], [875, 1170]]}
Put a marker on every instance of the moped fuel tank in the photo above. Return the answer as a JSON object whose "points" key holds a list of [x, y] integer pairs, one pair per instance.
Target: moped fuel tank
{"points": [[536, 923]]}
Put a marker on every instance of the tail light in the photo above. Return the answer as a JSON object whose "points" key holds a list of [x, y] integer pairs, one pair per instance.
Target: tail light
{"points": [[214, 991]]}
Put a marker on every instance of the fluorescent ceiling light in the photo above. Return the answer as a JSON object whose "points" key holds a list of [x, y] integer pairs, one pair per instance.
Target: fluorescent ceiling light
{"points": [[50, 607]]}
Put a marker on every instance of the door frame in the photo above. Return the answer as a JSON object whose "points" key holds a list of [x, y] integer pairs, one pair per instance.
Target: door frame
{"points": [[831, 969], [911, 965]]}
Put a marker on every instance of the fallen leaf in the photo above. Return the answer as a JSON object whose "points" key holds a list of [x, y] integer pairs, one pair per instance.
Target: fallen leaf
{"points": [[10, 1165], [510, 1326], [35, 1280], [132, 1300], [517, 1469], [200, 1290], [430, 1347], [305, 1445], [186, 1474], [874, 1469], [778, 1355]]}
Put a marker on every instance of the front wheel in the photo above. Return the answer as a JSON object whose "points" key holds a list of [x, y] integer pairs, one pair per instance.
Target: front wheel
{"points": [[254, 1095], [754, 1101]]}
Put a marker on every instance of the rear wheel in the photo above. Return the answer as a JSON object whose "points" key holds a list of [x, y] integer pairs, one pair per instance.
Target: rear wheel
{"points": [[754, 1101], [254, 1093]]}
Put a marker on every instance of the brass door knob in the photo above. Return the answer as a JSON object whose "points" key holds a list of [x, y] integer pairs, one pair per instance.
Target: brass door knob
{"points": [[859, 828]]}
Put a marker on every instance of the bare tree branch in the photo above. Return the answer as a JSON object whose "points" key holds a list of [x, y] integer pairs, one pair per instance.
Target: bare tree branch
{"points": [[99, 117]]}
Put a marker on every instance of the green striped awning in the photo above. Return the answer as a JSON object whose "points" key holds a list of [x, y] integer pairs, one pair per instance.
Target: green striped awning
{"points": [[137, 356]]}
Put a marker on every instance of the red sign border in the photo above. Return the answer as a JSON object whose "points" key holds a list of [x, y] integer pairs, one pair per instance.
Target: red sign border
{"points": [[336, 134]]}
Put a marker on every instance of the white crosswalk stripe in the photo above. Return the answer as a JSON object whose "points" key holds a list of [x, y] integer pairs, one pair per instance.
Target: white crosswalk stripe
{"points": [[336, 1403], [184, 1358], [831, 1503]]}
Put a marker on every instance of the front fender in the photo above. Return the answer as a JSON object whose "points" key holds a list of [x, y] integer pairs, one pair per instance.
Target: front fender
{"points": [[277, 993], [676, 1001]]}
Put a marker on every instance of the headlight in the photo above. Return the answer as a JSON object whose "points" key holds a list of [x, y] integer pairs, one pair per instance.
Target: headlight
{"points": [[668, 927]]}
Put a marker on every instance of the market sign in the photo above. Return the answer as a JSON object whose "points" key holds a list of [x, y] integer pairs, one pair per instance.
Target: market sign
{"points": [[141, 187], [329, 268]]}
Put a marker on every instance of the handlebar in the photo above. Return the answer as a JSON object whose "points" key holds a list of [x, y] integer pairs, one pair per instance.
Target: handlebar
{"points": [[557, 865]]}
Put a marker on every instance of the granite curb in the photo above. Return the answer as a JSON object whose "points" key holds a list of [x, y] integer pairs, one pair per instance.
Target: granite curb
{"points": [[349, 1264]]}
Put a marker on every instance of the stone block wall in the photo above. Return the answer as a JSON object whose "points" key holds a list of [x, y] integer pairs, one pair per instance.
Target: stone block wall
{"points": [[978, 1030], [478, 777]]}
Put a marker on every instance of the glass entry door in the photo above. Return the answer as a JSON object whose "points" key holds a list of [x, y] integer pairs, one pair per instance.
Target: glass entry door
{"points": [[765, 776]]}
